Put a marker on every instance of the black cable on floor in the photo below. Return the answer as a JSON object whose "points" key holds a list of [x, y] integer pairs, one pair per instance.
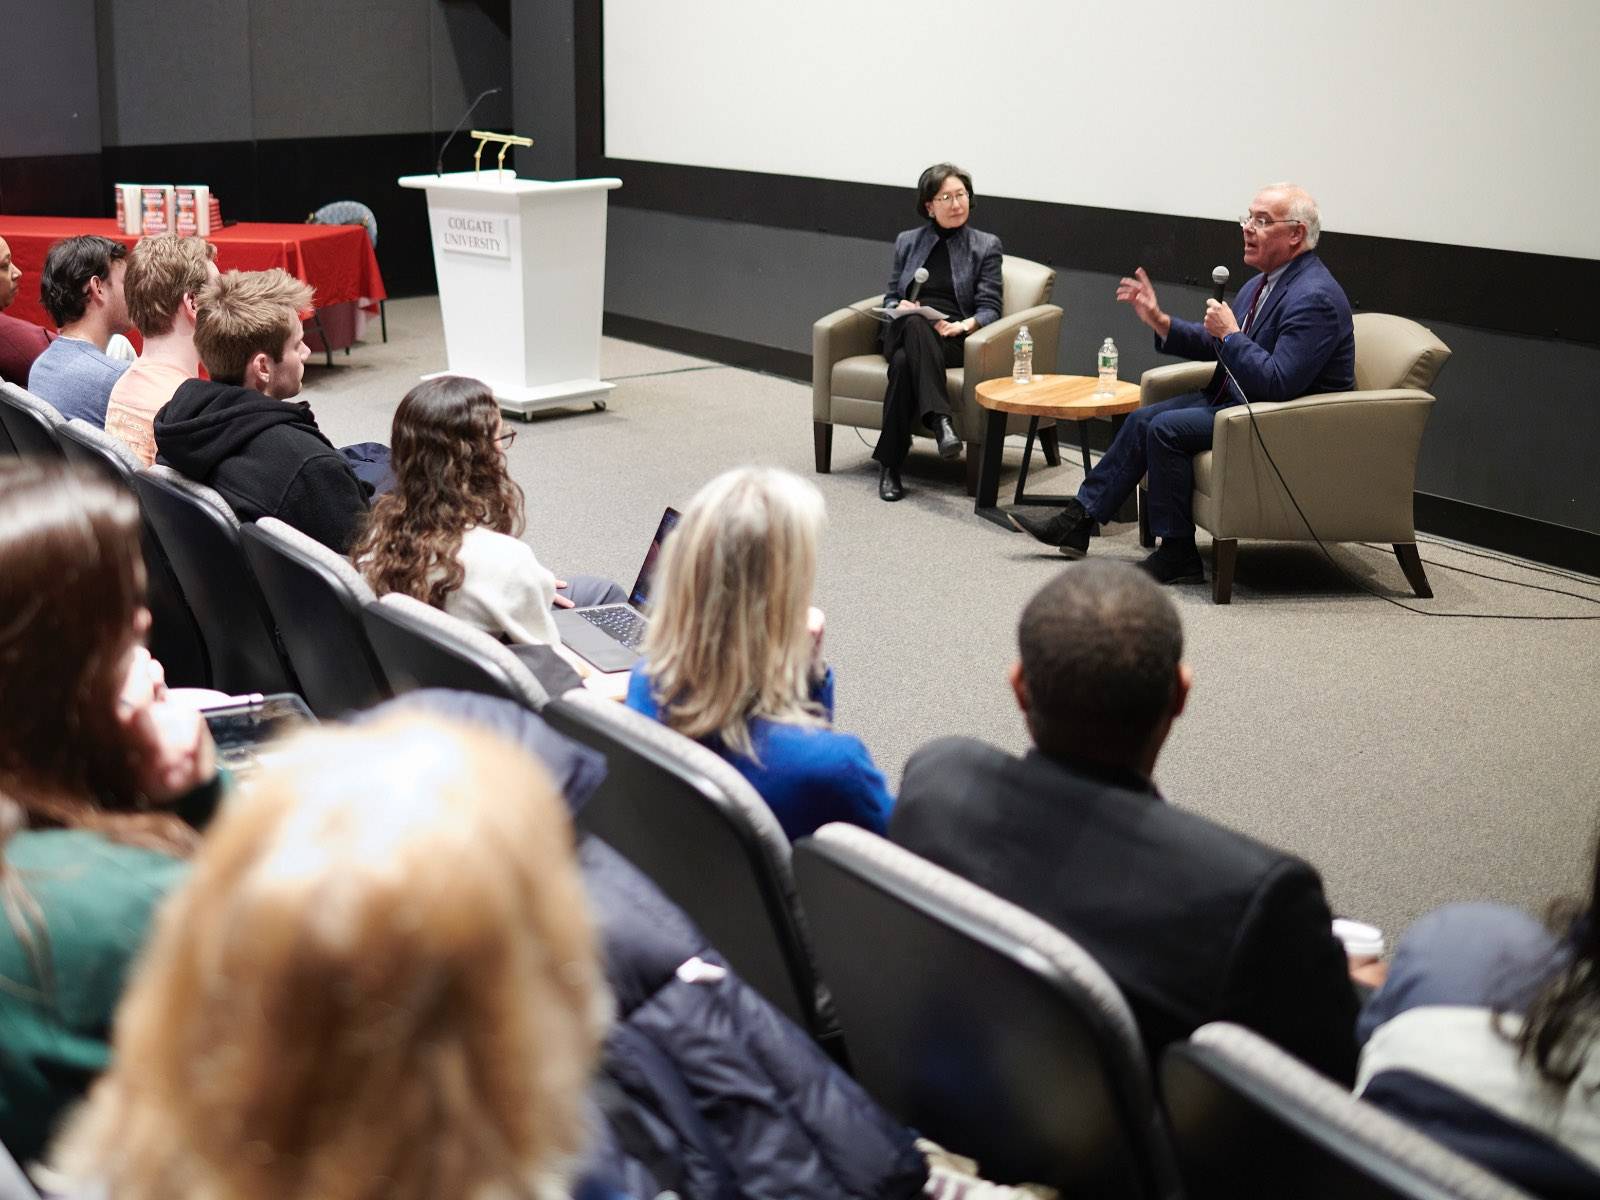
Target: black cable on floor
{"points": [[670, 371]]}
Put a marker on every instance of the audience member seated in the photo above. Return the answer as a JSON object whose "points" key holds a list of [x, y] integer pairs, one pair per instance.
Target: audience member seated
{"points": [[448, 534], [81, 288], [1195, 922], [380, 980], [20, 341], [704, 1089], [1484, 1037], [164, 276], [241, 431], [98, 771], [733, 655]]}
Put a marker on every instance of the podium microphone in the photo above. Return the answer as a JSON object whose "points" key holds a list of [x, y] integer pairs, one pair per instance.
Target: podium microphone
{"points": [[917, 280], [438, 166], [1219, 280]]}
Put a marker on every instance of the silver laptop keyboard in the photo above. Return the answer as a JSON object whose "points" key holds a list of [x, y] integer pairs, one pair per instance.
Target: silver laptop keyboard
{"points": [[620, 621]]}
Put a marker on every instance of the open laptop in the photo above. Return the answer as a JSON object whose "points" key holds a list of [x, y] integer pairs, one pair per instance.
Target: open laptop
{"points": [[608, 635]]}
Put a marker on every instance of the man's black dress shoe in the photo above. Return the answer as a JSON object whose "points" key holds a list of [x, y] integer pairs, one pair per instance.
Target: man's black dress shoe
{"points": [[1068, 530], [889, 486], [945, 435], [1175, 562]]}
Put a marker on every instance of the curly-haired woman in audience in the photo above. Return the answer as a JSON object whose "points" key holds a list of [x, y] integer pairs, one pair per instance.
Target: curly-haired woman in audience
{"points": [[448, 534], [733, 655], [380, 982], [96, 766], [1486, 1035]]}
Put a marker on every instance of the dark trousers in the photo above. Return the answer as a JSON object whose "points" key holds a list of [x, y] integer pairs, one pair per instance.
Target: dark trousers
{"points": [[587, 591], [1161, 440], [918, 358], [370, 462]]}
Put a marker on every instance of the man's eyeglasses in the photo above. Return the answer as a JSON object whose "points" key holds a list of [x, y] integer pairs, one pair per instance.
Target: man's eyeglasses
{"points": [[949, 197], [1262, 221], [506, 438]]}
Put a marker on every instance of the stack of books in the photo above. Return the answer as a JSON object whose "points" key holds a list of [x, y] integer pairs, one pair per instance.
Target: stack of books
{"points": [[146, 209]]}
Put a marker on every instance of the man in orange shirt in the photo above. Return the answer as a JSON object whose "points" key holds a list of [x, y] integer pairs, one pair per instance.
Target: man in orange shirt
{"points": [[164, 275]]}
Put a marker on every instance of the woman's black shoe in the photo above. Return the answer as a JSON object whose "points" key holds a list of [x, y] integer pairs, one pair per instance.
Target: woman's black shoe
{"points": [[945, 437], [889, 487]]}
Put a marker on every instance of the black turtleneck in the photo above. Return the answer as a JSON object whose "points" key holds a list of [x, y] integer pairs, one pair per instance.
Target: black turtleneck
{"points": [[940, 290]]}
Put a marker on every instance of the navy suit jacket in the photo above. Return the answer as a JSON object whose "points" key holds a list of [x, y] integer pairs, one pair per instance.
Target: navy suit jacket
{"points": [[1193, 921], [974, 269], [1301, 342]]}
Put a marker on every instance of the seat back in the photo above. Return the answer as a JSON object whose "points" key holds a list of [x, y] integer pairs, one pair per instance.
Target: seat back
{"points": [[316, 598], [206, 556], [1024, 284], [14, 1183], [175, 638], [1395, 352], [1250, 1121], [980, 1025], [30, 423], [697, 828], [347, 212], [418, 646]]}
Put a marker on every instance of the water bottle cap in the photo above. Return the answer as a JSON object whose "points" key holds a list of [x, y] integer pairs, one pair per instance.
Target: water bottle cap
{"points": [[1024, 330]]}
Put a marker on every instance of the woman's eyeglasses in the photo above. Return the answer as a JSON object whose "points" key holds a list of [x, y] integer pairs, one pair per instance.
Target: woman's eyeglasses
{"points": [[505, 439]]}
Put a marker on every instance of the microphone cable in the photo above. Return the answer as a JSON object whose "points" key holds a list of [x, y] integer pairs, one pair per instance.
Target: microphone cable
{"points": [[1410, 608]]}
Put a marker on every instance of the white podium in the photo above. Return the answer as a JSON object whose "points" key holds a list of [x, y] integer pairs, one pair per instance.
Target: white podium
{"points": [[522, 271]]}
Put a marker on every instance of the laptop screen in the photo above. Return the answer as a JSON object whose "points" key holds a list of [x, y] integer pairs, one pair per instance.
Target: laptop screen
{"points": [[640, 597]]}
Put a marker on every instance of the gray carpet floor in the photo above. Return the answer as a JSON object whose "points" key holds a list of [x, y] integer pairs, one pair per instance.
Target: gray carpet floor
{"points": [[1413, 760]]}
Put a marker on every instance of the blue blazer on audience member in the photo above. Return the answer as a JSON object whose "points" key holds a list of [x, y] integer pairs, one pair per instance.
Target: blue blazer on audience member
{"points": [[974, 268], [808, 776], [1301, 342]]}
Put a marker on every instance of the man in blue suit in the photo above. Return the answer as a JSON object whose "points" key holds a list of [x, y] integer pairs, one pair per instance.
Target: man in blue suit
{"points": [[1295, 339]]}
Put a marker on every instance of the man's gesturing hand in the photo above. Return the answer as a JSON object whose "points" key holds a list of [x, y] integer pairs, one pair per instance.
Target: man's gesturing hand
{"points": [[1220, 321], [1139, 292]]}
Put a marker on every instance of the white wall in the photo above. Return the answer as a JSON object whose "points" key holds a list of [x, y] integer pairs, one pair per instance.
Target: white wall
{"points": [[1467, 122]]}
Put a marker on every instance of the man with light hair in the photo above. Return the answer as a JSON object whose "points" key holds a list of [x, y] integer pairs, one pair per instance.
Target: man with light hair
{"points": [[165, 274], [81, 287], [1294, 339], [241, 432], [1193, 921]]}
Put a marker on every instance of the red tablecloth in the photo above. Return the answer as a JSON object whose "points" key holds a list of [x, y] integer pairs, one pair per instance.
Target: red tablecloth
{"points": [[336, 260]]}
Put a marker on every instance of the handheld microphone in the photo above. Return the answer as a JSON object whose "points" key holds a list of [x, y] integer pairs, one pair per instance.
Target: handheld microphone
{"points": [[438, 166], [917, 280], [1219, 280]]}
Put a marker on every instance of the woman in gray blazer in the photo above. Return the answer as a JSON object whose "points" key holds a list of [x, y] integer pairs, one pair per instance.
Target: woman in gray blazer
{"points": [[961, 279]]}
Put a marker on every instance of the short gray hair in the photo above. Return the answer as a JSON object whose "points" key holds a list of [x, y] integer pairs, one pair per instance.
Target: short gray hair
{"points": [[1302, 208]]}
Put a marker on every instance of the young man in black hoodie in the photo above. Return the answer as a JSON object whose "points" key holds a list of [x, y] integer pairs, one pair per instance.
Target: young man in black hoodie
{"points": [[241, 432]]}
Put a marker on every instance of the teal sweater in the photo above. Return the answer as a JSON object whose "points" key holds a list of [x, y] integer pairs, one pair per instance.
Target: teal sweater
{"points": [[97, 899]]}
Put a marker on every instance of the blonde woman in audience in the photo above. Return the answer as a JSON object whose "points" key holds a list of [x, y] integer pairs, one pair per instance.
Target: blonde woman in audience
{"points": [[449, 534], [379, 982], [98, 772], [733, 656]]}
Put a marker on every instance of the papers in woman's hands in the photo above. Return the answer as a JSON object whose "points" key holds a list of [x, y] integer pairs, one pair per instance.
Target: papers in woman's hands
{"points": [[922, 310]]}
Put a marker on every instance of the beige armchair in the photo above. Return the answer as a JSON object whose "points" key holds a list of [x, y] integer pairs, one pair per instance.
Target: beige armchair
{"points": [[1350, 458], [849, 376]]}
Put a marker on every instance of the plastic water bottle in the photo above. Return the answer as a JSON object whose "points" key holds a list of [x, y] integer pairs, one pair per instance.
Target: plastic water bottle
{"points": [[1022, 357], [1108, 368]]}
